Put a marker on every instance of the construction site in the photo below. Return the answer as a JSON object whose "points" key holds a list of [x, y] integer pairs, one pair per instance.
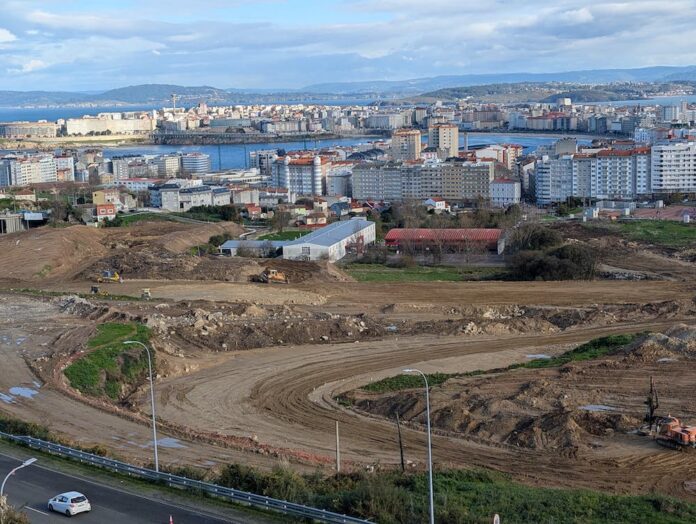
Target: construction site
{"points": [[248, 371]]}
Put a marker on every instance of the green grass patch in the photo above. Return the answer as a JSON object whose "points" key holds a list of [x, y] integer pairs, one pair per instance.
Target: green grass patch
{"points": [[129, 220], [285, 235], [593, 349], [203, 217], [400, 382], [461, 496], [380, 273], [664, 233], [111, 368], [44, 271]]}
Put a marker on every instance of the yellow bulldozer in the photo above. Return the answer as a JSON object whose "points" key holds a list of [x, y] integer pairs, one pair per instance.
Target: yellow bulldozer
{"points": [[272, 276], [109, 276]]}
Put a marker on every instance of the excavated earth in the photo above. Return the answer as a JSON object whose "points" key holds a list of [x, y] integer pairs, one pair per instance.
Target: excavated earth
{"points": [[572, 409], [249, 372]]}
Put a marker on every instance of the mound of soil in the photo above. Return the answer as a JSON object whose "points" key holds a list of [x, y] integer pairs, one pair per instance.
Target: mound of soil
{"points": [[567, 409], [49, 253], [156, 263], [247, 326]]}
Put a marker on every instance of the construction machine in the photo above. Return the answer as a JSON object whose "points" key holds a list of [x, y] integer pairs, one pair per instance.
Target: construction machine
{"points": [[272, 276], [109, 276], [671, 433], [652, 403], [95, 290]]}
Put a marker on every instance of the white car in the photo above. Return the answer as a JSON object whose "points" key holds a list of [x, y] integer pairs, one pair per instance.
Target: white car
{"points": [[70, 503]]}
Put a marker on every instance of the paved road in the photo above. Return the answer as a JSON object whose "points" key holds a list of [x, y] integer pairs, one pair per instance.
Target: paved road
{"points": [[31, 487]]}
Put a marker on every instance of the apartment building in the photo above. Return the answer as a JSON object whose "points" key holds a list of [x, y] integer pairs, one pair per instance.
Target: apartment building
{"points": [[453, 180], [173, 198], [26, 170], [444, 137], [195, 163], [263, 160], [168, 166], [406, 145], [610, 173], [304, 174], [505, 192], [673, 167]]}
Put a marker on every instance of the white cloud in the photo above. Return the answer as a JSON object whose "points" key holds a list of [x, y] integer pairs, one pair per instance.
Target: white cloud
{"points": [[355, 39], [6, 36], [28, 67]]}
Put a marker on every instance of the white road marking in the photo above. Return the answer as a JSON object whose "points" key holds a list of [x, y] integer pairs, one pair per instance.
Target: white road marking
{"points": [[32, 509]]}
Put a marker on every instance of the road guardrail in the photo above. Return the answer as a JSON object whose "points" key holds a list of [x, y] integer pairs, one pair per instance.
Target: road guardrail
{"points": [[233, 495]]}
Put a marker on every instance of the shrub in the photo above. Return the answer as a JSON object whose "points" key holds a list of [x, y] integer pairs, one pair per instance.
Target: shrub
{"points": [[533, 237], [569, 262]]}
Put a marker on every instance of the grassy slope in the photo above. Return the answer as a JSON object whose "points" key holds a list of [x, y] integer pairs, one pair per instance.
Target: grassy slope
{"points": [[110, 364], [145, 217], [665, 233], [591, 350], [471, 496]]}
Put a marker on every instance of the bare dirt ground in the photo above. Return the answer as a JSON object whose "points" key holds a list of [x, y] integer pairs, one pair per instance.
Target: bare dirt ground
{"points": [[629, 260], [250, 372], [51, 254], [32, 329], [282, 396]]}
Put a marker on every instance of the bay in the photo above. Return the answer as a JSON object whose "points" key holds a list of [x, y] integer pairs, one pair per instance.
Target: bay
{"points": [[236, 156]]}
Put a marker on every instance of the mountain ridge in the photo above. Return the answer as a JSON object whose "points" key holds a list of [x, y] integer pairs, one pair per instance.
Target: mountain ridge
{"points": [[365, 90]]}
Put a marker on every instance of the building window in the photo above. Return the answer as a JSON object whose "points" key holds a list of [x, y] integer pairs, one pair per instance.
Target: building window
{"points": [[305, 250]]}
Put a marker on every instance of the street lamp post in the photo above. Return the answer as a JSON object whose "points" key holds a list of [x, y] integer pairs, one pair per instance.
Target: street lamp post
{"points": [[430, 445], [152, 399], [24, 464]]}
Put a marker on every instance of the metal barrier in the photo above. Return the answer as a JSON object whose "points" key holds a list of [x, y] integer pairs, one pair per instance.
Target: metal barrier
{"points": [[233, 495]]}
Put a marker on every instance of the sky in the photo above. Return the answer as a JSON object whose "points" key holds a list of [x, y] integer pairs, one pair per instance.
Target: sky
{"points": [[92, 45]]}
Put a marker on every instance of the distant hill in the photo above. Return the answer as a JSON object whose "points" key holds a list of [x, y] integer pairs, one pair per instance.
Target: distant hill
{"points": [[422, 85], [160, 94], [156, 93]]}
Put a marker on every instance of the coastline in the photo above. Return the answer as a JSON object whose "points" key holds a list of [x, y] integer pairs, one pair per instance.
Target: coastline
{"points": [[184, 139]]}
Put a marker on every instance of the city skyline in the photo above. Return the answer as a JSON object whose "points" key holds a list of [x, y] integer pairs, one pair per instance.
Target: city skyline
{"points": [[77, 45]]}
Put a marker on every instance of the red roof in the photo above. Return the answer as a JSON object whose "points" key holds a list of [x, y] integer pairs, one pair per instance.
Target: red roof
{"points": [[443, 235]]}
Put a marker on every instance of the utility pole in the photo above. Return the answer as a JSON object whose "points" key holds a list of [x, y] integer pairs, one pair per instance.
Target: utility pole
{"points": [[401, 443], [338, 451]]}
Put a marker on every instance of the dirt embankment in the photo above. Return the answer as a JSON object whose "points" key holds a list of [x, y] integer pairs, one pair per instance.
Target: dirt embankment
{"points": [[153, 263], [622, 259], [149, 250], [230, 326], [61, 253], [570, 410], [49, 253]]}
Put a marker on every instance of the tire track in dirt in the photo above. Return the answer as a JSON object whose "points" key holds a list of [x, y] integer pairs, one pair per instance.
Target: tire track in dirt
{"points": [[284, 398]]}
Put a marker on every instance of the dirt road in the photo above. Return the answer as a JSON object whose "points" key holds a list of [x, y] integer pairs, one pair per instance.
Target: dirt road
{"points": [[30, 329], [362, 295], [285, 398]]}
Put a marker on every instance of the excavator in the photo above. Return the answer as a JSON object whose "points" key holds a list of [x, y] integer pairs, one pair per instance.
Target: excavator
{"points": [[669, 431]]}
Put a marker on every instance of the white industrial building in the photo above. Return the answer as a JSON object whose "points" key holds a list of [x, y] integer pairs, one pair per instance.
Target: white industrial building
{"points": [[328, 243]]}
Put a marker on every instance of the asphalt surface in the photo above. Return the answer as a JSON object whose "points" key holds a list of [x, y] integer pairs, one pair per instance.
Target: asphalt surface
{"points": [[31, 488]]}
